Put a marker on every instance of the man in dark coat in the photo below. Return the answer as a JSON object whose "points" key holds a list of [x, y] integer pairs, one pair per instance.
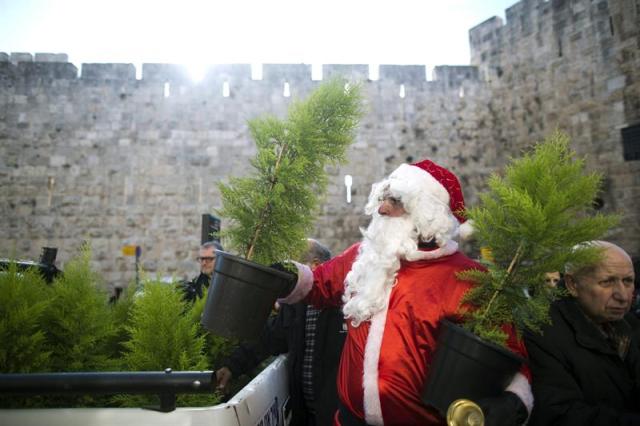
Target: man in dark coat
{"points": [[586, 364], [207, 258], [313, 339]]}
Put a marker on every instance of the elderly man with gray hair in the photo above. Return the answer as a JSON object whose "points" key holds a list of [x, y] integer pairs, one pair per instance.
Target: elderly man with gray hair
{"points": [[586, 364]]}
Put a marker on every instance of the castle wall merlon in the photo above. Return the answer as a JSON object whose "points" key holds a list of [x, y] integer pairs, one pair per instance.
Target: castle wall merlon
{"points": [[282, 73], [403, 74], [454, 75], [120, 72], [46, 70], [521, 17], [165, 73], [477, 34], [51, 57], [20, 57], [4, 57], [231, 73], [350, 72]]}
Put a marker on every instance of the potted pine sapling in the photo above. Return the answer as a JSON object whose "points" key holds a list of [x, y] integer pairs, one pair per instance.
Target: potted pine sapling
{"points": [[271, 211], [530, 219]]}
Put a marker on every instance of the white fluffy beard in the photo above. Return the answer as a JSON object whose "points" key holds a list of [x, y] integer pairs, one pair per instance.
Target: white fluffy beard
{"points": [[386, 241]]}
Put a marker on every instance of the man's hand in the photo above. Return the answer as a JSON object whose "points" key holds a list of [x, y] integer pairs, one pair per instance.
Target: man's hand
{"points": [[290, 269], [504, 410], [223, 377]]}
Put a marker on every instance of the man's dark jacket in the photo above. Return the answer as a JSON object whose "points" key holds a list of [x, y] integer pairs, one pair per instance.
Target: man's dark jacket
{"points": [[194, 289], [578, 376], [284, 333]]}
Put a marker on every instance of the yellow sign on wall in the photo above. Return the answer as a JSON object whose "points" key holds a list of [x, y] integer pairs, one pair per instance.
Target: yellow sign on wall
{"points": [[129, 250]]}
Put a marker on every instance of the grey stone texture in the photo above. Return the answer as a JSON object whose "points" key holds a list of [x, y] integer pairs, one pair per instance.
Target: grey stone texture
{"points": [[106, 158]]}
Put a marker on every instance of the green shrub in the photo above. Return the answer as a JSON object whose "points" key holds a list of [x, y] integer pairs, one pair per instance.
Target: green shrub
{"points": [[70, 326], [163, 335], [78, 322], [24, 296]]}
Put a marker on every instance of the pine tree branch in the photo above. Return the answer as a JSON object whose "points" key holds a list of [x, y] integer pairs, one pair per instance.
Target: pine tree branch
{"points": [[267, 207], [512, 265]]}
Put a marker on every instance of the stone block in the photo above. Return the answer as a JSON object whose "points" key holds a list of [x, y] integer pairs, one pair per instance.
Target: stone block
{"points": [[233, 73], [403, 74], [51, 57], [106, 72], [616, 83], [47, 71], [282, 73], [17, 57], [349, 72], [169, 73]]}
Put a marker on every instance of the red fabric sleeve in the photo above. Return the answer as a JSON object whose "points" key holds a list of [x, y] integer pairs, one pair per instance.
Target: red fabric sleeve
{"points": [[328, 279]]}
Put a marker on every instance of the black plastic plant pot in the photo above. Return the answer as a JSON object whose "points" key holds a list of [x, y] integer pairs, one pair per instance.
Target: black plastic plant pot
{"points": [[466, 367], [241, 296]]}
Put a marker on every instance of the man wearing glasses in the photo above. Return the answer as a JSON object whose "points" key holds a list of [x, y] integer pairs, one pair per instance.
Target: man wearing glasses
{"points": [[207, 257]]}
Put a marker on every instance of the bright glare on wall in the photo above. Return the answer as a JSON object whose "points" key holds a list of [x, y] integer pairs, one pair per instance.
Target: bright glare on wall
{"points": [[316, 72], [167, 89], [225, 89], [401, 91], [286, 92], [374, 72], [256, 71], [196, 72], [348, 180]]}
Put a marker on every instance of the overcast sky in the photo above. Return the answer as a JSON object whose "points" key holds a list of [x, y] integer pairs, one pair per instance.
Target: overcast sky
{"points": [[429, 32]]}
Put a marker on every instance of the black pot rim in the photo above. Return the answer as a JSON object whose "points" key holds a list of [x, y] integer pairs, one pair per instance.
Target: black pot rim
{"points": [[251, 264], [459, 329]]}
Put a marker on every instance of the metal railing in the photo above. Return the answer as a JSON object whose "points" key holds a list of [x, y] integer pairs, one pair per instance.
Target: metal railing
{"points": [[166, 384]]}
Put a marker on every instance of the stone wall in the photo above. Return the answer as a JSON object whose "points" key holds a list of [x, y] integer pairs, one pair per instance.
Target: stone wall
{"points": [[104, 157], [575, 66]]}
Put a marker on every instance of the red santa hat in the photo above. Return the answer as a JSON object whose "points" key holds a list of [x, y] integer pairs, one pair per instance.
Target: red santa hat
{"points": [[426, 183]]}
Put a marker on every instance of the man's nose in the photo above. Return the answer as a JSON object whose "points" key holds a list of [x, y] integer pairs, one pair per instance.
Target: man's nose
{"points": [[622, 293], [385, 208]]}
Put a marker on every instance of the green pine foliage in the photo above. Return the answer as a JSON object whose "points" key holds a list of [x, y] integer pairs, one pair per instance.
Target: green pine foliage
{"points": [[78, 321], [163, 335], [121, 316], [531, 219], [272, 210], [70, 326], [23, 300]]}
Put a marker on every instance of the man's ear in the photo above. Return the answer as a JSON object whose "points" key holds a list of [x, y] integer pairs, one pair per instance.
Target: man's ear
{"points": [[315, 263], [571, 285]]}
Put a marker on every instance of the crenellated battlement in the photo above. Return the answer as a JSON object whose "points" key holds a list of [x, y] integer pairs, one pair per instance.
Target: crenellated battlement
{"points": [[49, 66]]}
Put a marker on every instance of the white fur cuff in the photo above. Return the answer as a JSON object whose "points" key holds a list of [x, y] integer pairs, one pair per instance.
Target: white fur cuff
{"points": [[521, 387], [303, 286]]}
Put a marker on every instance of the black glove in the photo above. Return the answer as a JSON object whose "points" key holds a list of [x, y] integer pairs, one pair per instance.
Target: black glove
{"points": [[506, 409], [290, 269]]}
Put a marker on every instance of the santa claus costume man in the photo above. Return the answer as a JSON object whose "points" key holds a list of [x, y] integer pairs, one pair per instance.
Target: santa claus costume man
{"points": [[395, 286]]}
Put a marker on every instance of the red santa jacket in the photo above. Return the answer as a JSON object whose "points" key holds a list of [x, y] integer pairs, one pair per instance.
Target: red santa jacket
{"points": [[385, 360]]}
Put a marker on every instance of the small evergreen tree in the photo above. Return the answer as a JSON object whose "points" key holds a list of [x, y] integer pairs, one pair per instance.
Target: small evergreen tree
{"points": [[163, 335], [24, 296], [121, 317], [78, 321], [272, 210], [531, 219]]}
